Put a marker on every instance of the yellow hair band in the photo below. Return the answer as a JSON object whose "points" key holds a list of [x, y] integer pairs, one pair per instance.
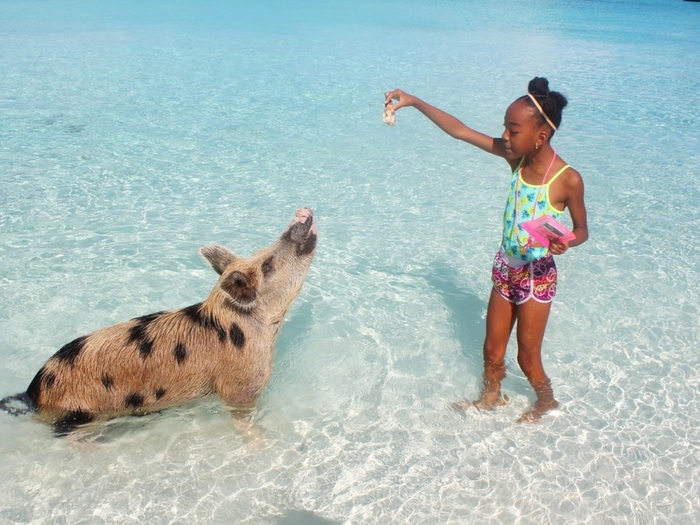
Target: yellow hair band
{"points": [[537, 105]]}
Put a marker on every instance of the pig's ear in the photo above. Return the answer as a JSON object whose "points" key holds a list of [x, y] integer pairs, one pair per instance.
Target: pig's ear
{"points": [[218, 256]]}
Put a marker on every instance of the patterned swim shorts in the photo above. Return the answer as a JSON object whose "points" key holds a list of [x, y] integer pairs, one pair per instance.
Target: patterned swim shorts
{"points": [[537, 279]]}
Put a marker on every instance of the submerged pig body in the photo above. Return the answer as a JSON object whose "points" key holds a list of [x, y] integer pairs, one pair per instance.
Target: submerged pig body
{"points": [[223, 345]]}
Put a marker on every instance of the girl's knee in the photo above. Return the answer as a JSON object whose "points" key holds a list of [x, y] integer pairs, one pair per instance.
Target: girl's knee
{"points": [[494, 354], [530, 362]]}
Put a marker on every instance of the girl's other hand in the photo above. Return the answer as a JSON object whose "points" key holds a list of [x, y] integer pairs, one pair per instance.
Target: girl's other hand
{"points": [[557, 248]]}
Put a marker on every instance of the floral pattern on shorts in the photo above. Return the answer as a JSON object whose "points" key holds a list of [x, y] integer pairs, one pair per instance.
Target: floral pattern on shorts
{"points": [[537, 279]]}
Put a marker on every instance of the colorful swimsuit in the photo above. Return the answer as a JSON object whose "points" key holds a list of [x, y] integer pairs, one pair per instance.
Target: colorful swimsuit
{"points": [[521, 272]]}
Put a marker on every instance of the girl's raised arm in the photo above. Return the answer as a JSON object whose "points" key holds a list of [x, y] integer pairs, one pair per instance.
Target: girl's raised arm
{"points": [[447, 123]]}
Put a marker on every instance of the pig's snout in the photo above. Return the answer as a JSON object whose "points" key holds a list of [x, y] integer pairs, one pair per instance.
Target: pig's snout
{"points": [[303, 215], [302, 231]]}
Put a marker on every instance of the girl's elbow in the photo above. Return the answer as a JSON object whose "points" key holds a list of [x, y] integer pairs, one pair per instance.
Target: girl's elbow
{"points": [[581, 236]]}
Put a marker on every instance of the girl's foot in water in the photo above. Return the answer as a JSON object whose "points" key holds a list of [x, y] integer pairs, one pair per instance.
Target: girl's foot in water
{"points": [[490, 396], [538, 410], [487, 401]]}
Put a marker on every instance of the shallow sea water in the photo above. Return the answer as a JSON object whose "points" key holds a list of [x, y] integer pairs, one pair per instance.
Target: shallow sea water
{"points": [[132, 133]]}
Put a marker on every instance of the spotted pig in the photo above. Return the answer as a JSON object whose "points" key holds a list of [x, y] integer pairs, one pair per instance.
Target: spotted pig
{"points": [[223, 345]]}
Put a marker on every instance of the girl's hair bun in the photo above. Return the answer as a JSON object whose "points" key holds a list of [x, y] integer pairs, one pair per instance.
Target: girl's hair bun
{"points": [[539, 87], [551, 102]]}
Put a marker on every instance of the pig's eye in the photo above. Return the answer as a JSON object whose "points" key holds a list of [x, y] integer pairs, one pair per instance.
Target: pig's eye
{"points": [[267, 266], [238, 280]]}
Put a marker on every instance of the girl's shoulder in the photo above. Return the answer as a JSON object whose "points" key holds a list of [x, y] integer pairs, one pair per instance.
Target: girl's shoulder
{"points": [[570, 178], [564, 171]]}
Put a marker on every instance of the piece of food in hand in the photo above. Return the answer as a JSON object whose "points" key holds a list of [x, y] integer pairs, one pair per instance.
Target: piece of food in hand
{"points": [[389, 114]]}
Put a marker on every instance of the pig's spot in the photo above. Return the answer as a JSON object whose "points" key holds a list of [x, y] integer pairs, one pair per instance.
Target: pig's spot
{"points": [[138, 333], [70, 421], [237, 336], [133, 400], [180, 353], [194, 314], [145, 348], [70, 352], [160, 393], [107, 381], [48, 379]]}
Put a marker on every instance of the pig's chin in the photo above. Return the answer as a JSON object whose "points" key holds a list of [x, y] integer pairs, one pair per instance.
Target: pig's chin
{"points": [[244, 306], [308, 245]]}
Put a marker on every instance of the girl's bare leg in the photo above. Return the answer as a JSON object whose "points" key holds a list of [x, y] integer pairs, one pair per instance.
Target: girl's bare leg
{"points": [[500, 318], [532, 322]]}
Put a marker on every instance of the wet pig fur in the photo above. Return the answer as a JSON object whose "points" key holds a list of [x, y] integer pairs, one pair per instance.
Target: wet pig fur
{"points": [[223, 345]]}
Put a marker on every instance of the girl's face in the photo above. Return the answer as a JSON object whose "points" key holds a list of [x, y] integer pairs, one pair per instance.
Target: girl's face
{"points": [[521, 131]]}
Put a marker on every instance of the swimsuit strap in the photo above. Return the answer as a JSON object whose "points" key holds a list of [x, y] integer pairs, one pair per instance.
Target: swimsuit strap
{"points": [[557, 174]]}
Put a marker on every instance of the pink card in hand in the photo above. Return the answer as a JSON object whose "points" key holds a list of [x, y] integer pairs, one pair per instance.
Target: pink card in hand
{"points": [[545, 228]]}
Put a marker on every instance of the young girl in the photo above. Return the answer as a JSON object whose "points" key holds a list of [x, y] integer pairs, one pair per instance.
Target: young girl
{"points": [[524, 274]]}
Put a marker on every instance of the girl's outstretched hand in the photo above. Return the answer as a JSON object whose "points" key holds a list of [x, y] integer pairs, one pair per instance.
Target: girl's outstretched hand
{"points": [[402, 99]]}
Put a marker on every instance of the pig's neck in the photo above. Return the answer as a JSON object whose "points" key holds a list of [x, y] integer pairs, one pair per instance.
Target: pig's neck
{"points": [[263, 320]]}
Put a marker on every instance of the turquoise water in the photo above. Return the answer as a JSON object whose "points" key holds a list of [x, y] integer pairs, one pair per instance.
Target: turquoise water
{"points": [[131, 133]]}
